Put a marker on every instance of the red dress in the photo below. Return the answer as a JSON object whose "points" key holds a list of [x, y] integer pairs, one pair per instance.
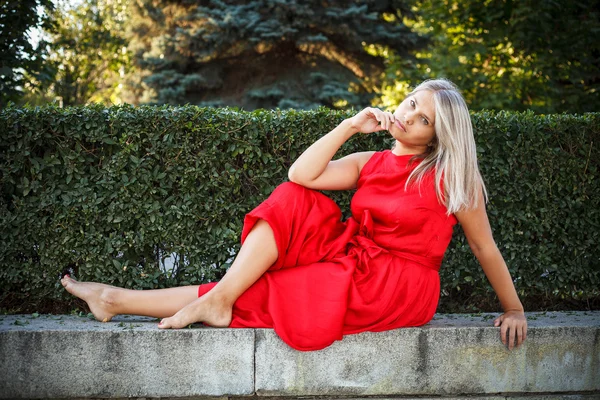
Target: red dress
{"points": [[376, 271]]}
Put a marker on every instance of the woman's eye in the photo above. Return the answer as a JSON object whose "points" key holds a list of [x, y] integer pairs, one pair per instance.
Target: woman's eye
{"points": [[412, 103], [425, 121]]}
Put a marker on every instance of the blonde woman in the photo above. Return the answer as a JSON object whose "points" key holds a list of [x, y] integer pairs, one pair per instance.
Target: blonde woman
{"points": [[314, 278]]}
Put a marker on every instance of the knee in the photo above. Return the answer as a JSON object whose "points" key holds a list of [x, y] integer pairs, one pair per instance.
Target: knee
{"points": [[287, 196]]}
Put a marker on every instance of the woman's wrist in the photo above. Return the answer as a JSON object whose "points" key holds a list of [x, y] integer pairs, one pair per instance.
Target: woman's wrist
{"points": [[348, 128], [515, 309], [314, 160]]}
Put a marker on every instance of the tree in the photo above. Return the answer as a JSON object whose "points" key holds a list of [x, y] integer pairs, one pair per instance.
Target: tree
{"points": [[19, 58], [88, 52], [263, 54], [539, 55]]}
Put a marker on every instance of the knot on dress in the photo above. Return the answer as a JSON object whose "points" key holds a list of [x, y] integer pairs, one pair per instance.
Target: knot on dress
{"points": [[364, 246]]}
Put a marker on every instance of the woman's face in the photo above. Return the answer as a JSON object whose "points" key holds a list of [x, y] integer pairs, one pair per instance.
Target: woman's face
{"points": [[414, 126]]}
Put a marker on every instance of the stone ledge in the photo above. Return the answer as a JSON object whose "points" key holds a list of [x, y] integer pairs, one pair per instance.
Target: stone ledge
{"points": [[73, 357]]}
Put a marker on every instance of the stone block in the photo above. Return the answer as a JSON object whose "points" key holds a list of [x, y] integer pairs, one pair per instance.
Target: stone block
{"points": [[43, 358], [453, 355]]}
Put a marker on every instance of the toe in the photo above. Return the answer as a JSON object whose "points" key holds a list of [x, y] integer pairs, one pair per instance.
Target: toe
{"points": [[65, 281], [164, 323]]}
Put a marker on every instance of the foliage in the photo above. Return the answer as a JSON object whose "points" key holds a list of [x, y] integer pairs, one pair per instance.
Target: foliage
{"points": [[18, 56], [263, 54], [542, 175], [89, 56], [504, 54], [115, 192]]}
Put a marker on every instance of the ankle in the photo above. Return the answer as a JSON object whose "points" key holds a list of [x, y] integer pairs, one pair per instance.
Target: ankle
{"points": [[109, 298], [220, 298]]}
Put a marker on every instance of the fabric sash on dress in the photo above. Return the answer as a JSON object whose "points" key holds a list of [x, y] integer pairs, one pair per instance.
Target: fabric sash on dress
{"points": [[363, 240]]}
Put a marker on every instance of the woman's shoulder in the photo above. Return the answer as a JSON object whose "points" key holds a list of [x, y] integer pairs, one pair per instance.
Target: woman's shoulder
{"points": [[357, 160], [362, 158], [377, 162]]}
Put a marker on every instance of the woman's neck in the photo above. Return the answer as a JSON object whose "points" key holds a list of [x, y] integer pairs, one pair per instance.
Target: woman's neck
{"points": [[401, 150]]}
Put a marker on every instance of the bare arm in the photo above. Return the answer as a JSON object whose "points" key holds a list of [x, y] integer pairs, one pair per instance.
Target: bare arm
{"points": [[477, 229], [315, 169]]}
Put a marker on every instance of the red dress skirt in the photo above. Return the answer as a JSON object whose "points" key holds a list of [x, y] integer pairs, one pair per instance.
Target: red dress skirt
{"points": [[376, 271]]}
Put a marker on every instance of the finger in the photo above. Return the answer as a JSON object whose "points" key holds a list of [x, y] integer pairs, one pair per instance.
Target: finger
{"points": [[380, 126], [381, 118], [511, 337], [375, 112], [498, 321], [503, 334], [365, 114], [378, 118], [388, 120], [392, 119], [519, 336], [523, 333]]}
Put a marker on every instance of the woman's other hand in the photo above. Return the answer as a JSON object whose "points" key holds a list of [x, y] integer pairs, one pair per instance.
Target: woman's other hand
{"points": [[372, 120], [515, 324]]}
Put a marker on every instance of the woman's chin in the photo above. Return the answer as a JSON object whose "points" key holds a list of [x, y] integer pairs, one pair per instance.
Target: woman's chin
{"points": [[393, 134]]}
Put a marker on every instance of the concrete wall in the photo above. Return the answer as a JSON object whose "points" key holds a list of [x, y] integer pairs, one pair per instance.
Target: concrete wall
{"points": [[454, 355]]}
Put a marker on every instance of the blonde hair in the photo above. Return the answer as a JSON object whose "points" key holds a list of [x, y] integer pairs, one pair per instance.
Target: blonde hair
{"points": [[452, 154]]}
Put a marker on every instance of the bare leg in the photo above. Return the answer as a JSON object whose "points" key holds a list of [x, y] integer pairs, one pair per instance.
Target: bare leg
{"points": [[257, 254], [255, 257], [106, 301]]}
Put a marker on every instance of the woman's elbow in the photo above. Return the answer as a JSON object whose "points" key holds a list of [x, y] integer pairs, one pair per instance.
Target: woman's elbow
{"points": [[483, 249], [292, 175]]}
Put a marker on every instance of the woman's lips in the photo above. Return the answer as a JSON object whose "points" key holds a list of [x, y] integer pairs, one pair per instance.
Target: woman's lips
{"points": [[400, 125]]}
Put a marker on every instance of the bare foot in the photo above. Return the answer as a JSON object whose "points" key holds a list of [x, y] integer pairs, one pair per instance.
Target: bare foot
{"points": [[94, 294], [208, 309]]}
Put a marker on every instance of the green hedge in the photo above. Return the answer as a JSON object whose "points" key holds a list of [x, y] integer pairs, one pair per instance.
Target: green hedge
{"points": [[112, 192]]}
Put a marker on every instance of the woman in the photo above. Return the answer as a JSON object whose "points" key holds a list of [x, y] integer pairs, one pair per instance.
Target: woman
{"points": [[314, 278]]}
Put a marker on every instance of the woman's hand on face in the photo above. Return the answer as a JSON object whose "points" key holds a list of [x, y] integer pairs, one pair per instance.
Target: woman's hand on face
{"points": [[515, 323], [372, 120]]}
